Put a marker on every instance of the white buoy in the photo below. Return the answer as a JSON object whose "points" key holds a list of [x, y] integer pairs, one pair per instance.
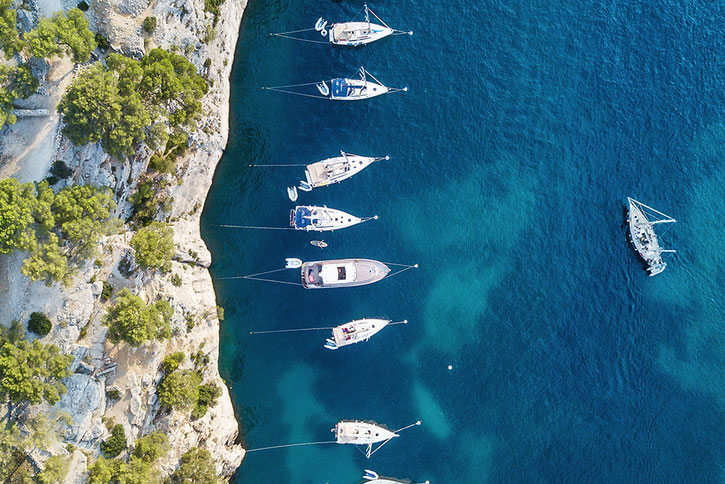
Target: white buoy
{"points": [[450, 367]]}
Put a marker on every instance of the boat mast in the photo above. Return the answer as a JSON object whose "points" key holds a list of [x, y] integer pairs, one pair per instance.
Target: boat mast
{"points": [[367, 16]]}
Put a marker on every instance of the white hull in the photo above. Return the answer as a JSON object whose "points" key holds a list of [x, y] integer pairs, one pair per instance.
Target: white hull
{"points": [[335, 170], [357, 33], [361, 433], [342, 273], [643, 237], [355, 89], [355, 332], [321, 219]]}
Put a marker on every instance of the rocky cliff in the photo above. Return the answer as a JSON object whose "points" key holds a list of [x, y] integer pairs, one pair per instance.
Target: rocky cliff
{"points": [[78, 310]]}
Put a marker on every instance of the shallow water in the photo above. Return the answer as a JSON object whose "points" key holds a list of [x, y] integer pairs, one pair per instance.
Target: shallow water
{"points": [[526, 126]]}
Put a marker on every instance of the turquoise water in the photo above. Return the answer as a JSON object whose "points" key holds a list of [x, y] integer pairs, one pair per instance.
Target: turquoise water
{"points": [[526, 126]]}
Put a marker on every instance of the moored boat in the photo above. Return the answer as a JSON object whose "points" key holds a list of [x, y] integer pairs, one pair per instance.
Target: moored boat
{"points": [[336, 169], [372, 477], [641, 220], [358, 432], [342, 273], [320, 219], [355, 332]]}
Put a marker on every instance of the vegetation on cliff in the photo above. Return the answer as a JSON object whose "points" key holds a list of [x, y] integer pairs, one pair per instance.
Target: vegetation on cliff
{"points": [[135, 322], [59, 231]]}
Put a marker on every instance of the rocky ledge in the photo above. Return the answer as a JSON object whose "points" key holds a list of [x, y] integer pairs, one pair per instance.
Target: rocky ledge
{"points": [[78, 310]]}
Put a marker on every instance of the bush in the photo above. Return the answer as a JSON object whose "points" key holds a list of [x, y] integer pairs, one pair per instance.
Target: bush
{"points": [[106, 292], [154, 246], [135, 322], [220, 313], [56, 468], [151, 447], [176, 280], [113, 394], [102, 42], [197, 466], [116, 443], [180, 390], [83, 6], [149, 25], [208, 394], [171, 362], [39, 324]]}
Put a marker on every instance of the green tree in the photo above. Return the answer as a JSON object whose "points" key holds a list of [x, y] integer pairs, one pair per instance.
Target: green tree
{"points": [[31, 372], [103, 471], [208, 394], [9, 41], [62, 34], [17, 208], [149, 25], [151, 447], [116, 443], [135, 322], [48, 263], [197, 467], [171, 362], [154, 246], [83, 212], [56, 468], [180, 390], [39, 324]]}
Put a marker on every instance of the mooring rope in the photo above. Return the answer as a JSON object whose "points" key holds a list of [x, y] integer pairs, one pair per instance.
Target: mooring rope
{"points": [[294, 92], [295, 330], [253, 227], [292, 445]]}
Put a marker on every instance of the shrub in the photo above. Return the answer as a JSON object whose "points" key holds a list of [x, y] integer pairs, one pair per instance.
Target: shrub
{"points": [[208, 394], [176, 280], [220, 313], [171, 362], [154, 246], [180, 390], [151, 447], [113, 394], [83, 6], [102, 42], [56, 468], [197, 466], [135, 322], [39, 324], [116, 443], [106, 292], [149, 25]]}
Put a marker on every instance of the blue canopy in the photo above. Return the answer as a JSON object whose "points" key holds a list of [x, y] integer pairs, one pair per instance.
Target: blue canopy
{"points": [[340, 88], [300, 217]]}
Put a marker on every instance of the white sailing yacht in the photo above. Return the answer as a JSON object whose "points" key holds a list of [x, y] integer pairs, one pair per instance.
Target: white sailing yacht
{"points": [[356, 33], [336, 169], [320, 219], [355, 88], [372, 477], [355, 332], [358, 432], [642, 220]]}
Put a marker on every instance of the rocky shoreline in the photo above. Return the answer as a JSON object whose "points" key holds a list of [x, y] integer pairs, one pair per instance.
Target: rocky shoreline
{"points": [[78, 310]]}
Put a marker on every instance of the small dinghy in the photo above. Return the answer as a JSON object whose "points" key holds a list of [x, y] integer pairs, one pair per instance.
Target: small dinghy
{"points": [[361, 86], [355, 332], [319, 243], [643, 236], [321, 219], [292, 193], [342, 273], [352, 33], [335, 170]]}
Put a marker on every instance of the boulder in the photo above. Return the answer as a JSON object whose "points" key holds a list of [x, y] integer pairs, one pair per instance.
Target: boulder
{"points": [[81, 401]]}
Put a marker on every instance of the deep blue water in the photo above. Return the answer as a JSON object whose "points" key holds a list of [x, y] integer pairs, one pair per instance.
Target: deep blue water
{"points": [[526, 126]]}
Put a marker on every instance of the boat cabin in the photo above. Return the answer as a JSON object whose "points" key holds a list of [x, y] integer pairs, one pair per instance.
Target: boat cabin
{"points": [[329, 274]]}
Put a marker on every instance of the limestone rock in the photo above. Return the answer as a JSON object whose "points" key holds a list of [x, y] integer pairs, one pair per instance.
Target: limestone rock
{"points": [[82, 399]]}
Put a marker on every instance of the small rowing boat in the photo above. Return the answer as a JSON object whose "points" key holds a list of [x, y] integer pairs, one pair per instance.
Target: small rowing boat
{"points": [[319, 243], [321, 219]]}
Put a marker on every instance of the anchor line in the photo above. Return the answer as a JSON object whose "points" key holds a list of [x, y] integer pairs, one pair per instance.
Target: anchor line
{"points": [[254, 277], [292, 445], [294, 164], [291, 37], [253, 227], [294, 92], [295, 330]]}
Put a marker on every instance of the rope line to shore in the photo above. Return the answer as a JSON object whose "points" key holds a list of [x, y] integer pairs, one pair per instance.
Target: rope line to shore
{"points": [[292, 445]]}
